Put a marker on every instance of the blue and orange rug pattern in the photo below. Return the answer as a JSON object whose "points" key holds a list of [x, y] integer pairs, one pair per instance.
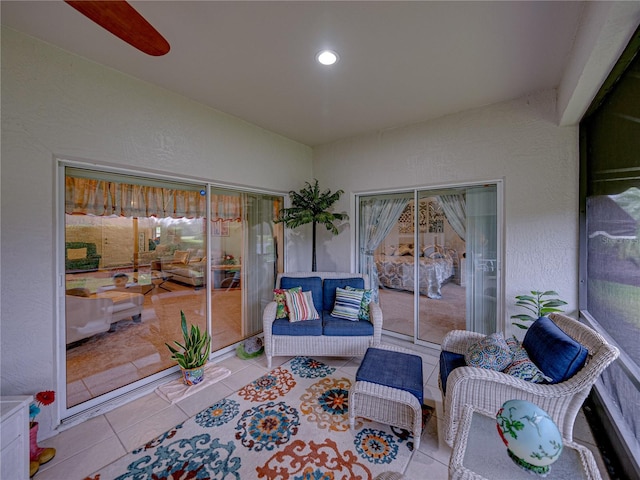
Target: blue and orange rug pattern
{"points": [[292, 423]]}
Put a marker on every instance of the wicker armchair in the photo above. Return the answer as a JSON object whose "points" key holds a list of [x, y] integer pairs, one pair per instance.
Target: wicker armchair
{"points": [[487, 390]]}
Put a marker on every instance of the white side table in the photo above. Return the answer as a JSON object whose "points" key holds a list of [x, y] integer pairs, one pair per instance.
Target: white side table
{"points": [[14, 415], [479, 454]]}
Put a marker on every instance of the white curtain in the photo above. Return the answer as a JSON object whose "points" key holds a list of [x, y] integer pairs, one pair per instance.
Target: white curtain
{"points": [[378, 215], [482, 262], [455, 209], [260, 255]]}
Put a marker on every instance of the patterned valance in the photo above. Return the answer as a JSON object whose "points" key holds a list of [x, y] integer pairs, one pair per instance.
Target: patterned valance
{"points": [[105, 198]]}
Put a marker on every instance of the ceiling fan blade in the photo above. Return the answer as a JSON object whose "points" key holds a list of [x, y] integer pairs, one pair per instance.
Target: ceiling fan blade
{"points": [[122, 20]]}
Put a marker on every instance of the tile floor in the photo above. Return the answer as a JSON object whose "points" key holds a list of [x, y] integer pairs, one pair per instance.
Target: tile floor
{"points": [[94, 443]]}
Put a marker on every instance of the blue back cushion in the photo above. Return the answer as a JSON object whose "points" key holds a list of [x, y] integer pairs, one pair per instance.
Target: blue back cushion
{"points": [[449, 361], [554, 352], [308, 284], [392, 369], [329, 289]]}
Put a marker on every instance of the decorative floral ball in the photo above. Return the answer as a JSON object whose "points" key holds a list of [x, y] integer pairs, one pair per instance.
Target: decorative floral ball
{"points": [[532, 438]]}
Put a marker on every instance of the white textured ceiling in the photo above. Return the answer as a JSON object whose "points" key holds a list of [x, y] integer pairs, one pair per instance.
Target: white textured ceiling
{"points": [[401, 62]]}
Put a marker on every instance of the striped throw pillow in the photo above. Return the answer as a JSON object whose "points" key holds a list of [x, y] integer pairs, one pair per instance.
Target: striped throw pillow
{"points": [[363, 314], [347, 304], [300, 305]]}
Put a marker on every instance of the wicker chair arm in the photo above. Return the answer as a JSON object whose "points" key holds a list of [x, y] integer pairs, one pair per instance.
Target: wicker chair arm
{"points": [[457, 341], [469, 377], [375, 316], [268, 317]]}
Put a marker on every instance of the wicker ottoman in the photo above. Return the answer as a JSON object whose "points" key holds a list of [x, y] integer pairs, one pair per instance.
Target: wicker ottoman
{"points": [[389, 389]]}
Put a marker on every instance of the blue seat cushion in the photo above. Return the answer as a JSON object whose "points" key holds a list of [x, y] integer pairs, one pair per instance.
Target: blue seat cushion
{"points": [[554, 352], [340, 327], [449, 361], [282, 326], [329, 289], [308, 284], [392, 369]]}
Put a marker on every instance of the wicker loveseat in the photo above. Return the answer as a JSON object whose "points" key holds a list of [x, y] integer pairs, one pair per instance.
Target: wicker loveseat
{"points": [[328, 336], [558, 345]]}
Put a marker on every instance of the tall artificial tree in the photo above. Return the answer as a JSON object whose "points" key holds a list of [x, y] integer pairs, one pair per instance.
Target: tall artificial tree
{"points": [[309, 205]]}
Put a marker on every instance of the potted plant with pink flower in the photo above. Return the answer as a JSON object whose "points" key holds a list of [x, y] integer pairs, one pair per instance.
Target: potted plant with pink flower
{"points": [[38, 455]]}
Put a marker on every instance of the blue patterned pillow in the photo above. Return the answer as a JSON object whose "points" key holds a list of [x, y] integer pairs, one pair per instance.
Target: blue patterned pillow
{"points": [[492, 352], [347, 304], [521, 365], [363, 314]]}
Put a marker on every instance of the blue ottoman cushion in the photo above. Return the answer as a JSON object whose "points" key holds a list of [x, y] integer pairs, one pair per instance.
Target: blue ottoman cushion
{"points": [[308, 284], [329, 289], [554, 352], [392, 369], [339, 327], [449, 361], [282, 326]]}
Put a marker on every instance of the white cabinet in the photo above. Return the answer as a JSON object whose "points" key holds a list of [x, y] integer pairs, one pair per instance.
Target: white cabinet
{"points": [[14, 414]]}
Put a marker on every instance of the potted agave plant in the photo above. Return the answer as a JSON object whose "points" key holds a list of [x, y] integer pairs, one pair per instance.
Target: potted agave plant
{"points": [[537, 303], [193, 353]]}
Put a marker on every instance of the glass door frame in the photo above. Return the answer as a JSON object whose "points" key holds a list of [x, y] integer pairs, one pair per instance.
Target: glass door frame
{"points": [[417, 191], [114, 398]]}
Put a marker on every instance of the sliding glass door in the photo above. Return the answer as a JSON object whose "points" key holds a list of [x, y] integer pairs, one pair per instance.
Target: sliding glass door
{"points": [[432, 256], [138, 251], [134, 258], [244, 251]]}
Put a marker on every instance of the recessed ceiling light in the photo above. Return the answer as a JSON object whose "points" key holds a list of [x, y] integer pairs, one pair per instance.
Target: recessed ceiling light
{"points": [[327, 57]]}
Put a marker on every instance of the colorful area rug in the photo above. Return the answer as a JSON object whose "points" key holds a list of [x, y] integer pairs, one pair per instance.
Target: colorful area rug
{"points": [[291, 423]]}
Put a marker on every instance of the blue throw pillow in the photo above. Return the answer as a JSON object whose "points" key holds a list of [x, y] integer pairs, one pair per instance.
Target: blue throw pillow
{"points": [[363, 314], [329, 289], [347, 304], [554, 352], [308, 284]]}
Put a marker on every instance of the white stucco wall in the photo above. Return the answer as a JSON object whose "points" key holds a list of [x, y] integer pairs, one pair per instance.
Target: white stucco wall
{"points": [[57, 104], [518, 141]]}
